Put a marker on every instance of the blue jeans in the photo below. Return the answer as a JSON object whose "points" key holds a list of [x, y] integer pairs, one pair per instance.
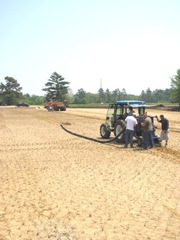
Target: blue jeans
{"points": [[148, 138], [129, 137]]}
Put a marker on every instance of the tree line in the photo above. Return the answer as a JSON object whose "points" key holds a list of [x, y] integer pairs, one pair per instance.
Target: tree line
{"points": [[56, 88], [107, 96]]}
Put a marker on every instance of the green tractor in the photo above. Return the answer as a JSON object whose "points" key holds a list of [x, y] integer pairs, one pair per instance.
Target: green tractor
{"points": [[115, 120]]}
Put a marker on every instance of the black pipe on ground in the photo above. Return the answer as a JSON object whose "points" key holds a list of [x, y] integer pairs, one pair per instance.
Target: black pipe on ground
{"points": [[93, 139]]}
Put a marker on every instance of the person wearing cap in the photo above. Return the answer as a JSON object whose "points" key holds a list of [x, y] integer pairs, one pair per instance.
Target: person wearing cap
{"points": [[147, 129], [131, 123], [164, 128]]}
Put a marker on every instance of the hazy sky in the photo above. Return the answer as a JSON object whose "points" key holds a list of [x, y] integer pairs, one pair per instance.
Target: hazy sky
{"points": [[131, 44]]}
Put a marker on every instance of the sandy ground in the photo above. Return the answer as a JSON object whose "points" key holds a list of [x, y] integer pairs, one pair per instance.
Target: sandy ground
{"points": [[57, 186]]}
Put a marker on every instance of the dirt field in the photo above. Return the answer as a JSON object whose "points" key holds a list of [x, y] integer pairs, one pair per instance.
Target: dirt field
{"points": [[57, 186]]}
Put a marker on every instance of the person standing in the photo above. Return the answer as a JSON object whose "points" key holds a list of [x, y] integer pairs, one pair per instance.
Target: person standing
{"points": [[147, 129], [131, 123], [164, 128], [131, 111]]}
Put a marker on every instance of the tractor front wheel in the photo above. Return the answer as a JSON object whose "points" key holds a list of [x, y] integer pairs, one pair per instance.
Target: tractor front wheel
{"points": [[120, 126], [104, 131]]}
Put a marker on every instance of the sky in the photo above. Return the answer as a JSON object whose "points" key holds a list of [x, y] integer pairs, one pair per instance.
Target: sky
{"points": [[113, 44]]}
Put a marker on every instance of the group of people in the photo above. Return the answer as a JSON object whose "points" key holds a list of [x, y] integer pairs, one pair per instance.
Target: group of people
{"points": [[147, 130]]}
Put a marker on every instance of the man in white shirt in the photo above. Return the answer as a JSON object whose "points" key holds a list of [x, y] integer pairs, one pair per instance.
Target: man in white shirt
{"points": [[131, 123]]}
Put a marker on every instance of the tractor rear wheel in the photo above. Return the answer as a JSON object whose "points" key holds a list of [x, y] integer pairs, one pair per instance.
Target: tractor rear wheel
{"points": [[104, 131], [63, 109], [119, 126]]}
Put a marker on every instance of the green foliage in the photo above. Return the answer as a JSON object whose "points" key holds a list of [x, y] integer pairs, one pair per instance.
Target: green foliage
{"points": [[107, 96], [89, 105], [116, 95], [175, 88], [56, 88], [157, 96], [101, 95], [34, 99], [10, 92], [80, 97], [83, 97]]}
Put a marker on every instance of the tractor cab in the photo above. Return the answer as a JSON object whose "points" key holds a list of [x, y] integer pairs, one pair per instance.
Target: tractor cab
{"points": [[121, 109], [115, 119], [116, 114]]}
